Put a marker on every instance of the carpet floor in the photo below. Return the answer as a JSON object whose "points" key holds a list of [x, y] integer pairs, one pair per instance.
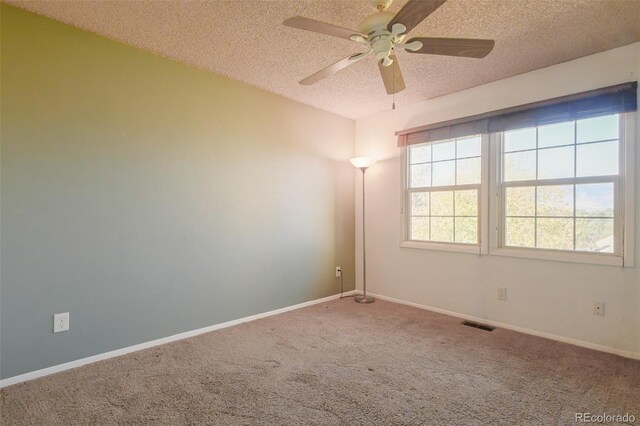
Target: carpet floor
{"points": [[337, 363]]}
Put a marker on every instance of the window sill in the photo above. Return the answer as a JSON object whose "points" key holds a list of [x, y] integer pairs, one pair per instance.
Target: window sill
{"points": [[523, 253], [451, 247], [560, 256]]}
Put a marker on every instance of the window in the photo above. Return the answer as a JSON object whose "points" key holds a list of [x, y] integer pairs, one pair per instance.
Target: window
{"points": [[560, 186], [444, 191], [551, 180]]}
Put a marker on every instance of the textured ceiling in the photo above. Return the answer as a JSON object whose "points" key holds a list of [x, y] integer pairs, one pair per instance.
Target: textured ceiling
{"points": [[244, 40]]}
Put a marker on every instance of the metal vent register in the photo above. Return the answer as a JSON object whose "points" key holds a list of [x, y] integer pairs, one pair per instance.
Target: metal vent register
{"points": [[477, 325]]}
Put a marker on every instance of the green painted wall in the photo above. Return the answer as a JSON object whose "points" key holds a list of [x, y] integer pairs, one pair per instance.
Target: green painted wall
{"points": [[148, 198]]}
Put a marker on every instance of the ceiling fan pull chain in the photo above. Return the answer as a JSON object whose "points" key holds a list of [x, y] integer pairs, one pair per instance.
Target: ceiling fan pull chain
{"points": [[393, 96]]}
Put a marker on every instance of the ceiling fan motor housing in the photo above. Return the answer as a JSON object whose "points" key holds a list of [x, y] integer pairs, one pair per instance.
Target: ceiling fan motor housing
{"points": [[379, 37]]}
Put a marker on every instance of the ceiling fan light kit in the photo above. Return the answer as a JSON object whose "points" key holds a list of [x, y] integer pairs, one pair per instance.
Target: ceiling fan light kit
{"points": [[383, 33]]}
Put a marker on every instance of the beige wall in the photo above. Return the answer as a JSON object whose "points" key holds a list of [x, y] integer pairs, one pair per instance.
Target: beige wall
{"points": [[148, 198], [543, 296]]}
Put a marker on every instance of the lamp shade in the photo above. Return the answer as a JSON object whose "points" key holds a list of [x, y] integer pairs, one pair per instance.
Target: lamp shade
{"points": [[362, 162]]}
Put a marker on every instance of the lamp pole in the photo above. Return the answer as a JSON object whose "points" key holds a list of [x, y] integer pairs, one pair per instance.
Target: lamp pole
{"points": [[363, 164]]}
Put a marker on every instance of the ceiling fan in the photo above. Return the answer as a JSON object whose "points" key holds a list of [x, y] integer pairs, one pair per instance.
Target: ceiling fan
{"points": [[382, 33]]}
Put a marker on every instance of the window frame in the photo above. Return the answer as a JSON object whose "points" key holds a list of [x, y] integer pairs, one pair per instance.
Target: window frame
{"points": [[490, 211], [482, 247], [624, 206]]}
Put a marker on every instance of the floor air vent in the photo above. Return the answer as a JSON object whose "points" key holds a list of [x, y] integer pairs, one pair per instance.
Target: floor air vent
{"points": [[480, 326]]}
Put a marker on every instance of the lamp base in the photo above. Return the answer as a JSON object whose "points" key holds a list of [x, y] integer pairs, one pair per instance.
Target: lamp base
{"points": [[364, 299]]}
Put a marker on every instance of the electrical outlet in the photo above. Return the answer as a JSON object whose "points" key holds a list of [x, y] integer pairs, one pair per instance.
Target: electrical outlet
{"points": [[338, 272], [502, 293], [598, 308], [61, 322]]}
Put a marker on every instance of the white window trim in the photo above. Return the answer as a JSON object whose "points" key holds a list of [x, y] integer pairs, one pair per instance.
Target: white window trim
{"points": [[629, 189], [625, 200], [483, 199]]}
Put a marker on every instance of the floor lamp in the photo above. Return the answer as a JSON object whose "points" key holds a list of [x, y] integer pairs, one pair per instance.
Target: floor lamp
{"points": [[363, 163]]}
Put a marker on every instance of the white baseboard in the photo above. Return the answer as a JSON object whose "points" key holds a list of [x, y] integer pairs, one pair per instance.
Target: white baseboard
{"points": [[563, 339], [84, 361]]}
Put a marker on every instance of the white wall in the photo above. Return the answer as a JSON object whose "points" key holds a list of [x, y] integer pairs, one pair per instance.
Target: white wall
{"points": [[544, 296]]}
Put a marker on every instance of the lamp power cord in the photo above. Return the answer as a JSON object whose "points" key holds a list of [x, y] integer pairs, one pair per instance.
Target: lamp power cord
{"points": [[342, 296]]}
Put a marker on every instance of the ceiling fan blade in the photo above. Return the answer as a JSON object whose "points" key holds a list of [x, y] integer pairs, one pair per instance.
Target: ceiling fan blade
{"points": [[332, 69], [308, 24], [392, 76], [466, 47], [414, 12]]}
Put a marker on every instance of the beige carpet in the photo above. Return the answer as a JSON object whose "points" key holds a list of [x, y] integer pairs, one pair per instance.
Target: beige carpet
{"points": [[337, 363]]}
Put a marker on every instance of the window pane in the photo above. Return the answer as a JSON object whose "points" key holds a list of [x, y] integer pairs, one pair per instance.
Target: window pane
{"points": [[520, 232], [468, 171], [520, 166], [572, 216], [466, 230], [420, 204], [469, 147], [420, 154], [556, 163], [555, 234], [420, 228], [521, 201], [444, 173], [555, 134], [466, 203], [521, 139], [444, 151], [598, 159], [442, 203], [555, 200], [438, 215], [420, 175], [442, 229], [594, 199], [594, 235], [598, 128]]}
